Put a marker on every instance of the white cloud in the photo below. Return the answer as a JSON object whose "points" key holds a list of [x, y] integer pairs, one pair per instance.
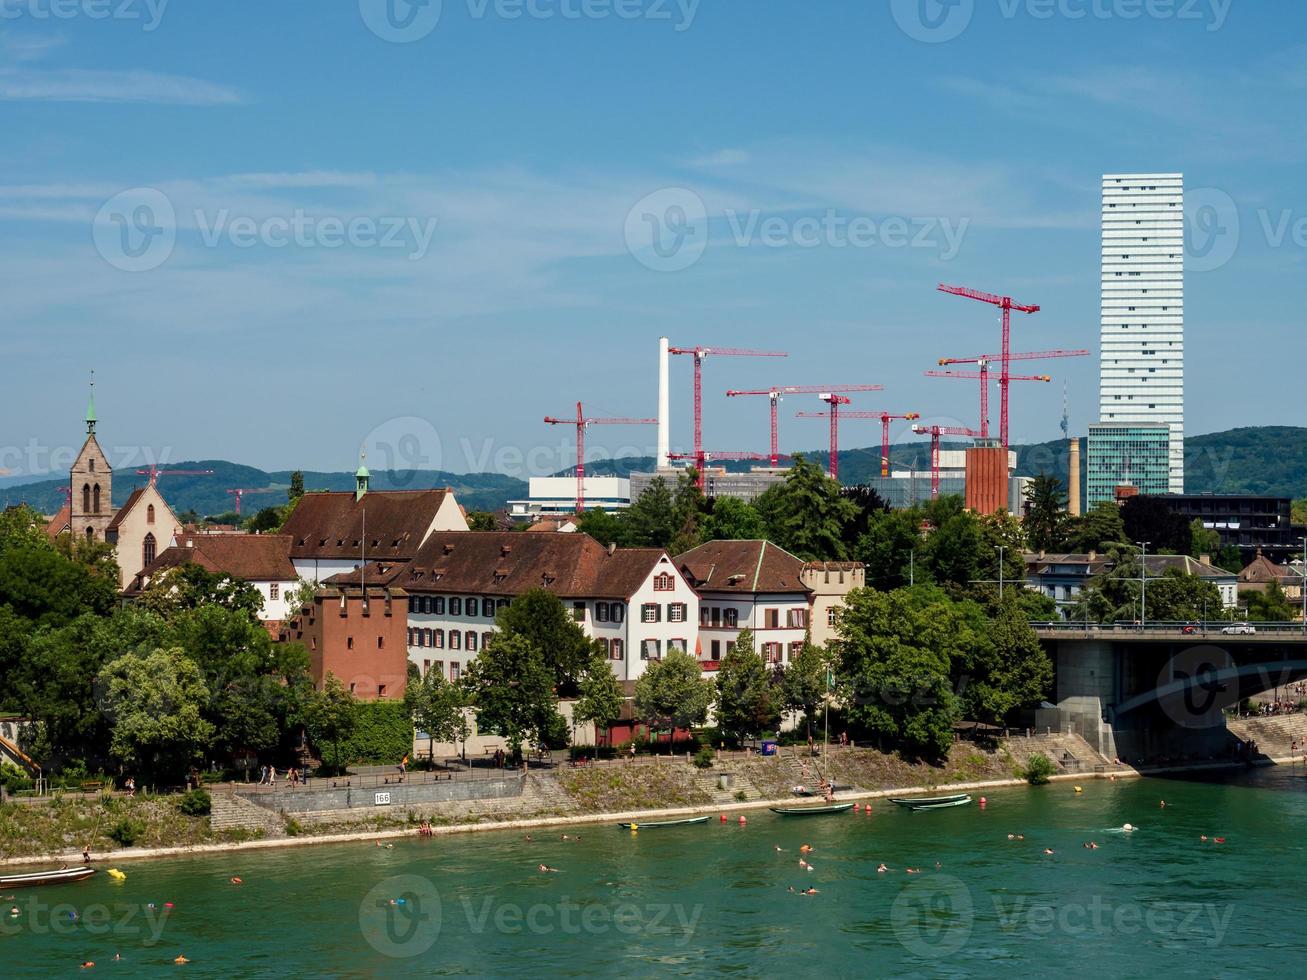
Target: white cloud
{"points": [[85, 85]]}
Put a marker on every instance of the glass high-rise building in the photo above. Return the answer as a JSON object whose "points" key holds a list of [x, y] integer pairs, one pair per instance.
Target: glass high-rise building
{"points": [[1141, 366], [1135, 454]]}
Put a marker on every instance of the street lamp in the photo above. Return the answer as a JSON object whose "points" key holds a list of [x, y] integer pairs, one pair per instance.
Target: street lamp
{"points": [[1143, 585]]}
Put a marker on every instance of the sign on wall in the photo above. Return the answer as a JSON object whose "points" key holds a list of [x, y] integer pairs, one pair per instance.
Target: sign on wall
{"points": [[383, 799]]}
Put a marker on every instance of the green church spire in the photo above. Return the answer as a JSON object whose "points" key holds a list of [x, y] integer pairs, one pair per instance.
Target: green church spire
{"points": [[90, 408]]}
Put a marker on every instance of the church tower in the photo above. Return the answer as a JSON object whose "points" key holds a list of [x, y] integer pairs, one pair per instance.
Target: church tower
{"points": [[92, 484]]}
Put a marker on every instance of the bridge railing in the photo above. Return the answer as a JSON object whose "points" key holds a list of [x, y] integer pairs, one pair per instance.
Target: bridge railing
{"points": [[1220, 627]]}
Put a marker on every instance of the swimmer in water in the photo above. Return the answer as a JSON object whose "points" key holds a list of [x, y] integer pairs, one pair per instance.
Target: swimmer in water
{"points": [[779, 849], [88, 964], [805, 848], [810, 891], [529, 839], [546, 869], [1162, 804], [1048, 850], [1203, 838], [180, 960], [881, 869], [1219, 840], [913, 871], [236, 881]]}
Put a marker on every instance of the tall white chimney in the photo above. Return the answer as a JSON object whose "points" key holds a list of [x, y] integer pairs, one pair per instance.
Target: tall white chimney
{"points": [[664, 401]]}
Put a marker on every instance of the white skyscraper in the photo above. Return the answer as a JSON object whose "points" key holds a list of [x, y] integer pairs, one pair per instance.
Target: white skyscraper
{"points": [[1141, 370]]}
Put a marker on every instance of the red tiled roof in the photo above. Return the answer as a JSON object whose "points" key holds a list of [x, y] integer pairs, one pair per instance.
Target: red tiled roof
{"points": [[508, 563], [252, 557], [122, 511], [60, 522], [331, 525], [742, 566]]}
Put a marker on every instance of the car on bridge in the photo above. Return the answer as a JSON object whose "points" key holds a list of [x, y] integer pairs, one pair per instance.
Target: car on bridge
{"points": [[1240, 629]]}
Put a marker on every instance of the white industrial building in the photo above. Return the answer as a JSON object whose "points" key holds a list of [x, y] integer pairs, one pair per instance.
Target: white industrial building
{"points": [[1141, 367], [553, 495]]}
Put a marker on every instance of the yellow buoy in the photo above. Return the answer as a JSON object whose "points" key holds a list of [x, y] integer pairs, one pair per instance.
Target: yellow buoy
{"points": [[115, 873], [635, 826], [1079, 790]]}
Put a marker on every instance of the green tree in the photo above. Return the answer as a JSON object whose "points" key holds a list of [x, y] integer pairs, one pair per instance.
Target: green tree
{"points": [[21, 526], [1098, 529], [481, 520], [296, 488], [606, 528], [267, 521], [690, 506], [1171, 597], [953, 551], [807, 515], [890, 550], [672, 692], [1271, 605], [190, 586], [545, 623], [744, 691], [155, 702], [437, 708], [51, 589], [1298, 511], [805, 683], [1046, 512], [732, 519], [896, 653], [512, 687], [652, 520], [1003, 666], [331, 715], [1204, 540], [600, 699]]}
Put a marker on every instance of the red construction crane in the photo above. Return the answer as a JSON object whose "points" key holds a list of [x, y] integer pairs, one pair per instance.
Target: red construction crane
{"points": [[153, 472], [774, 396], [984, 360], [732, 455], [834, 401], [983, 375], [885, 419], [240, 492], [935, 431], [581, 422], [699, 353], [1005, 304]]}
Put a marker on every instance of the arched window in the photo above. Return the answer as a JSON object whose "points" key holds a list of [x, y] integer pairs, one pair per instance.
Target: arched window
{"points": [[147, 550], [149, 514], [90, 534], [95, 499], [86, 498]]}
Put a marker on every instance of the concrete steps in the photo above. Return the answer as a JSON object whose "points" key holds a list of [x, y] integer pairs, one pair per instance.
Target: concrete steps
{"points": [[232, 812]]}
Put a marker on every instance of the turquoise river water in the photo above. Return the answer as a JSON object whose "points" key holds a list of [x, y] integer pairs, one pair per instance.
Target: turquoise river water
{"points": [[714, 899]]}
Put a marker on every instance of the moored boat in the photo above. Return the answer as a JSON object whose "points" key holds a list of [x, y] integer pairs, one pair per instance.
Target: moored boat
{"points": [[956, 799], [644, 825], [943, 806], [45, 877], [811, 811]]}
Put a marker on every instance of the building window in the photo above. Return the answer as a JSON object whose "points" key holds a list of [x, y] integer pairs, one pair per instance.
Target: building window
{"points": [[731, 617], [437, 605], [453, 670], [95, 499], [650, 650], [651, 612], [771, 619], [797, 618], [833, 616], [578, 611], [455, 606], [676, 612], [91, 464], [149, 514], [86, 498], [426, 667], [601, 612], [603, 645], [796, 648], [147, 551], [678, 644], [716, 616], [438, 639], [470, 604], [381, 690], [618, 611], [716, 649], [485, 639], [469, 640], [615, 650], [274, 590], [381, 643], [410, 637], [501, 604], [664, 583], [455, 639], [488, 608], [771, 652], [349, 643]]}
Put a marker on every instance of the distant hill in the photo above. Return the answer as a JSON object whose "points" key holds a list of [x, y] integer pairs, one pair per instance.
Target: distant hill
{"points": [[208, 494], [1265, 459]]}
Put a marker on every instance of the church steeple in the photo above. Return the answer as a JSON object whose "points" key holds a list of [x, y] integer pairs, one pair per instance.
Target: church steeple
{"points": [[361, 477], [90, 408]]}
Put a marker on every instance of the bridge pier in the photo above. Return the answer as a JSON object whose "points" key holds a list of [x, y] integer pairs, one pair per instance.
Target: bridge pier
{"points": [[1088, 682]]}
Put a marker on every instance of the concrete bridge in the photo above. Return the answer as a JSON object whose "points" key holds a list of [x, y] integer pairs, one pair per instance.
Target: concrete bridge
{"points": [[1142, 691]]}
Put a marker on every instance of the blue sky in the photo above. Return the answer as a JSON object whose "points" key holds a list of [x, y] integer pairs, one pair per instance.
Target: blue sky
{"points": [[282, 230]]}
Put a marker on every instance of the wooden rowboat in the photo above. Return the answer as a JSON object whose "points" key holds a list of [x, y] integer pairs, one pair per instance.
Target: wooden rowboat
{"points": [[942, 806], [644, 825], [811, 811], [45, 877]]}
